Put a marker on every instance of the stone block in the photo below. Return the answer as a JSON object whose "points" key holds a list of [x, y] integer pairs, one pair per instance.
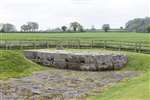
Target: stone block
{"points": [[83, 61]]}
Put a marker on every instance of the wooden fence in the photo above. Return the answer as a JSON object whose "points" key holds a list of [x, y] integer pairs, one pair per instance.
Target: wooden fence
{"points": [[143, 47]]}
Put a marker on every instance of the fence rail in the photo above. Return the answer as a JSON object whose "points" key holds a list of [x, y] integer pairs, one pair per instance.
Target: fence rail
{"points": [[143, 47]]}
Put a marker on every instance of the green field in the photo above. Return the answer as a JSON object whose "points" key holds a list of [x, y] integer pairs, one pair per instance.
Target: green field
{"points": [[81, 36]]}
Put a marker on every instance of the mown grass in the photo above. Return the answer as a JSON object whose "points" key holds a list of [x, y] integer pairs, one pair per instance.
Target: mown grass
{"points": [[138, 62], [13, 64], [124, 36], [133, 89]]}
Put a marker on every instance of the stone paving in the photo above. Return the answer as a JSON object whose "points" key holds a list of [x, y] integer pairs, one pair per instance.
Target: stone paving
{"points": [[56, 84]]}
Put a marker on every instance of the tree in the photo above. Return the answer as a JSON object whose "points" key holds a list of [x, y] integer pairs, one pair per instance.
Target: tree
{"points": [[138, 24], [75, 26], [26, 28], [8, 27], [30, 26], [64, 28], [121, 28], [81, 28], [148, 28], [1, 27], [33, 25], [23, 28], [93, 28], [106, 27]]}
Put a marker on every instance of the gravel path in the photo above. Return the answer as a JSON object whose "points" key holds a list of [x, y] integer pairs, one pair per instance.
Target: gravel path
{"points": [[55, 84]]}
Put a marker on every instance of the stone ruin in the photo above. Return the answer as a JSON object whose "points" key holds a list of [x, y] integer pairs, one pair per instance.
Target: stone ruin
{"points": [[84, 61]]}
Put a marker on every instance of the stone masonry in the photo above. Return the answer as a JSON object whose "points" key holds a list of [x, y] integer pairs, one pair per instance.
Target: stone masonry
{"points": [[84, 61]]}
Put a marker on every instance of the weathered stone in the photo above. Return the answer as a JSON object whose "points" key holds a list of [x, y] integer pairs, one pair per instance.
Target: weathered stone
{"points": [[78, 61], [56, 84]]}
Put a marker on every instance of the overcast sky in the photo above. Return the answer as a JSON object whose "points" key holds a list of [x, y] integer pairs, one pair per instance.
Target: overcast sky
{"points": [[55, 13]]}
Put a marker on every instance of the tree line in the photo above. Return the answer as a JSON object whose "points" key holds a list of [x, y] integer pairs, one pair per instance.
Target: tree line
{"points": [[30, 27], [138, 25], [135, 25], [34, 26]]}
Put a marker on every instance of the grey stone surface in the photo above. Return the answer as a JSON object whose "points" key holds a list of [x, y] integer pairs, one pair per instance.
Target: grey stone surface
{"points": [[78, 60], [56, 84]]}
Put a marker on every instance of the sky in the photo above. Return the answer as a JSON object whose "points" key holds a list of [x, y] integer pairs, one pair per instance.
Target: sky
{"points": [[55, 13]]}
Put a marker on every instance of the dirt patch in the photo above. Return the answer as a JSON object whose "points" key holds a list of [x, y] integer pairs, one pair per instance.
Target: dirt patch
{"points": [[60, 84]]}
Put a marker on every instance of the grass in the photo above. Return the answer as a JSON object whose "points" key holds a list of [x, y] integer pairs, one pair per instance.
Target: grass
{"points": [[129, 89], [13, 64], [136, 89], [138, 62], [133, 89], [124, 36]]}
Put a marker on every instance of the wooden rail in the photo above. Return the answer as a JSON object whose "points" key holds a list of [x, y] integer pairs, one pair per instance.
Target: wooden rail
{"points": [[143, 47]]}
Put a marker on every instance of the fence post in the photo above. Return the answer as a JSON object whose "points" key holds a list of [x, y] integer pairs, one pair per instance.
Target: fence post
{"points": [[79, 44], [9, 46], [68, 44], [92, 44], [71, 44], [21, 48], [105, 44], [135, 47], [34, 45], [51, 44], [120, 46], [47, 44], [139, 47], [5, 45], [55, 45]]}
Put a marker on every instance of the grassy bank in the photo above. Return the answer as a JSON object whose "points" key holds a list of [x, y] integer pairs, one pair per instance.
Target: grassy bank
{"points": [[134, 89], [13, 64], [138, 62]]}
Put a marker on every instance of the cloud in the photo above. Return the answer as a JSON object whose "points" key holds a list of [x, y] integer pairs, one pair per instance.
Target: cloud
{"points": [[54, 13]]}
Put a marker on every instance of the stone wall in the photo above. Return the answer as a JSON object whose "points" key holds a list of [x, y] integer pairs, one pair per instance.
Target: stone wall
{"points": [[83, 61]]}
